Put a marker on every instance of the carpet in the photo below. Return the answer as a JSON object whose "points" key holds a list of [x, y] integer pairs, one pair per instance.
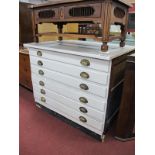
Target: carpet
{"points": [[43, 134]]}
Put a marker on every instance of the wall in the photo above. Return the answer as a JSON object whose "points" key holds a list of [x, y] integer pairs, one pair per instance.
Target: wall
{"points": [[48, 27]]}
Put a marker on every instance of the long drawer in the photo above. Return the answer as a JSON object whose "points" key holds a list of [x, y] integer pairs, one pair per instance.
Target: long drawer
{"points": [[101, 65], [79, 72], [84, 109], [70, 112], [80, 84], [72, 93]]}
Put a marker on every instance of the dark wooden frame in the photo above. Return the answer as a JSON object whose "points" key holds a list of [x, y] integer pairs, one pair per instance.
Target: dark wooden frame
{"points": [[126, 118], [106, 13], [26, 29], [115, 88]]}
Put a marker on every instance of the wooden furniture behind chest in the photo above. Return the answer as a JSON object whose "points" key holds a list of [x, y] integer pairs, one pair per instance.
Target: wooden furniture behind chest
{"points": [[104, 12], [24, 69], [126, 117], [25, 36], [25, 23]]}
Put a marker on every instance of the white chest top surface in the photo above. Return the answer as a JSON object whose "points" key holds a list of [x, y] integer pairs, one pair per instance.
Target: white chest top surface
{"points": [[82, 48]]}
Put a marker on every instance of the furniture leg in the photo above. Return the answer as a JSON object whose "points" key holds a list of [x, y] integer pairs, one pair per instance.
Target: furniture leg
{"points": [[106, 11], [36, 38], [123, 36], [60, 27], [104, 47], [34, 28]]}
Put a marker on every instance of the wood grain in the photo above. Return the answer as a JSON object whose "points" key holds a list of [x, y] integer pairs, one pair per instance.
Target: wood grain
{"points": [[102, 13], [24, 69], [126, 117]]}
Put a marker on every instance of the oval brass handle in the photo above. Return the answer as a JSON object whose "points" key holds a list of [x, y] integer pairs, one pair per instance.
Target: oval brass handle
{"points": [[40, 63], [41, 72], [85, 62], [83, 119], [82, 109], [84, 86], [42, 91], [39, 53], [84, 75], [83, 100], [41, 83], [43, 99]]}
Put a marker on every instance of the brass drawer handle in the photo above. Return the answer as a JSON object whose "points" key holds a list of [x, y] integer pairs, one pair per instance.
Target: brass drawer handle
{"points": [[85, 62], [84, 86], [39, 53], [82, 119], [42, 91], [43, 99], [40, 63], [84, 75], [82, 109], [41, 83], [83, 100], [41, 72]]}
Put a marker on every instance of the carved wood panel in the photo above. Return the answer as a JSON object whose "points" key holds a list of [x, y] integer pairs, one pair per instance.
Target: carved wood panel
{"points": [[83, 11], [47, 14], [118, 14]]}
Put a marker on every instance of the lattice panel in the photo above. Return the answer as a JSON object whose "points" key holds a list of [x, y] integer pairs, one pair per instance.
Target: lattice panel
{"points": [[46, 14], [81, 11]]}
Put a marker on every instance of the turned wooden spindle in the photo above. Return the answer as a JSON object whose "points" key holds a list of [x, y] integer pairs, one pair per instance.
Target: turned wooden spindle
{"points": [[123, 36], [106, 13], [60, 28]]}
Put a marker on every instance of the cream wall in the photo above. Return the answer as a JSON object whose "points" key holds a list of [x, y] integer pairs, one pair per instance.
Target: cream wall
{"points": [[49, 27]]}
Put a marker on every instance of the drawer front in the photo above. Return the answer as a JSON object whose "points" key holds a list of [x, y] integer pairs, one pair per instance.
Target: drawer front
{"points": [[24, 59], [81, 84], [25, 80], [46, 15], [83, 109], [70, 112], [77, 72], [21, 60], [72, 93], [25, 70], [85, 62], [63, 113], [83, 11]]}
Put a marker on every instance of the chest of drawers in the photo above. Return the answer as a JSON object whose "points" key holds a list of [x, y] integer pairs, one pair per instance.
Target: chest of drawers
{"points": [[75, 80]]}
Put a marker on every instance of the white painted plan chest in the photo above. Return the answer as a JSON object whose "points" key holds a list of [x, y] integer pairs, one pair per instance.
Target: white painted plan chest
{"points": [[78, 81]]}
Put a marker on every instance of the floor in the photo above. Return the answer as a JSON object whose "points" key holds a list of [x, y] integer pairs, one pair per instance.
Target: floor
{"points": [[44, 134]]}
